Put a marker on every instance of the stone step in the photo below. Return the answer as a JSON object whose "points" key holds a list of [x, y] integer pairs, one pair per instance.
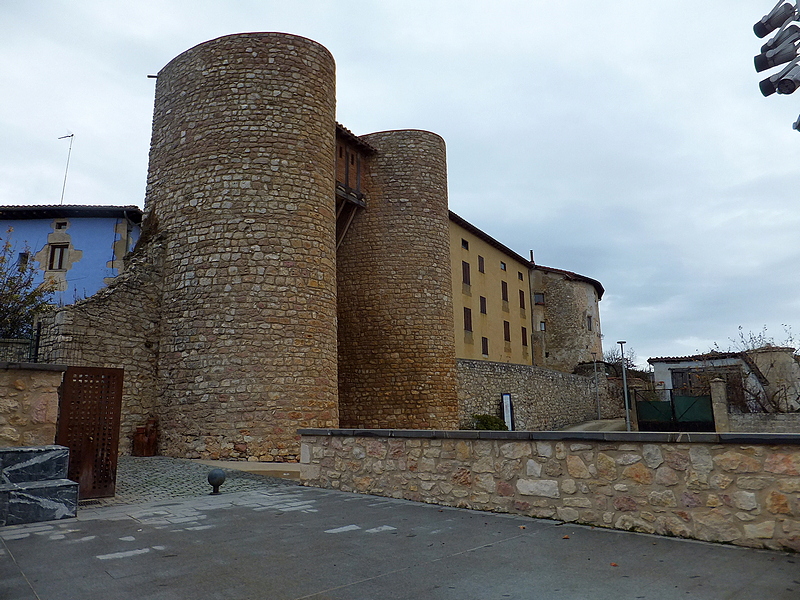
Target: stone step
{"points": [[35, 501], [37, 463]]}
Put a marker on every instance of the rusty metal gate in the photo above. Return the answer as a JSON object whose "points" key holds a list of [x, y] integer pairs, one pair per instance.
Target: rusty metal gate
{"points": [[88, 424]]}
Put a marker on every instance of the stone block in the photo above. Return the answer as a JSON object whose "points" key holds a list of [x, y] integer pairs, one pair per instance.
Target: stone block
{"points": [[547, 488], [37, 501]]}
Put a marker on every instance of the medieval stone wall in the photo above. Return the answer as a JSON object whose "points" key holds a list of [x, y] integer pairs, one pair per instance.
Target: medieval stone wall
{"points": [[241, 186], [396, 345], [117, 327], [543, 399], [745, 493]]}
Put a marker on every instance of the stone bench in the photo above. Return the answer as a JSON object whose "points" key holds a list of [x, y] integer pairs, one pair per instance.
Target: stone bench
{"points": [[34, 485]]}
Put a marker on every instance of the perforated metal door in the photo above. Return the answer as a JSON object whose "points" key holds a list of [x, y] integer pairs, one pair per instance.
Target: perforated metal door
{"points": [[88, 424]]}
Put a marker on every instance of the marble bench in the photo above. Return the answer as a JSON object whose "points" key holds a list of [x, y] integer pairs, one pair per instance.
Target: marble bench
{"points": [[34, 485]]}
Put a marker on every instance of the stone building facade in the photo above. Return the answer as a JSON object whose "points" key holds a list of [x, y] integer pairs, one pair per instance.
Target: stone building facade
{"points": [[290, 274]]}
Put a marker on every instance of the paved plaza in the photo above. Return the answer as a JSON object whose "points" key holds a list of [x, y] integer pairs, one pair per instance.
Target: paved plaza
{"points": [[165, 538]]}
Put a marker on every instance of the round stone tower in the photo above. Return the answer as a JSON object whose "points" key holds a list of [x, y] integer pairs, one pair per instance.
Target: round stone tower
{"points": [[397, 365], [241, 186]]}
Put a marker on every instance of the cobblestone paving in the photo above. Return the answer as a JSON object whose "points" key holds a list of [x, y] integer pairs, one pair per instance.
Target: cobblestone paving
{"points": [[145, 479]]}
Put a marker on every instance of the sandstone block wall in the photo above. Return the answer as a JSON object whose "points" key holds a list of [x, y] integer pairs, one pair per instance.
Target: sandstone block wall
{"points": [[117, 327], [745, 493], [396, 346], [29, 405], [543, 399], [241, 186]]}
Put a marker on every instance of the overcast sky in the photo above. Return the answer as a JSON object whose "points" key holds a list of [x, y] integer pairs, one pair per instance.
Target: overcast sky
{"points": [[621, 139]]}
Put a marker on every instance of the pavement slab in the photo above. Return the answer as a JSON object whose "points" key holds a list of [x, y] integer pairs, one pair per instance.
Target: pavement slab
{"points": [[279, 541]]}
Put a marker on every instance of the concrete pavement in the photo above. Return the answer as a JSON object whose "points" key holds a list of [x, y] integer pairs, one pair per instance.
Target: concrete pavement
{"points": [[277, 540]]}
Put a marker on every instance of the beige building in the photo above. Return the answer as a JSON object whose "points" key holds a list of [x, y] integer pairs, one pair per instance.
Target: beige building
{"points": [[509, 309]]}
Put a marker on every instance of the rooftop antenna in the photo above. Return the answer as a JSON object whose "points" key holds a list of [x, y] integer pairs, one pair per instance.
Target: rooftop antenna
{"points": [[71, 136]]}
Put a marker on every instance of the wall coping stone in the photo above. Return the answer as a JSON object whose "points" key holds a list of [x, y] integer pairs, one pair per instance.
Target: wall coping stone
{"points": [[8, 366], [603, 436]]}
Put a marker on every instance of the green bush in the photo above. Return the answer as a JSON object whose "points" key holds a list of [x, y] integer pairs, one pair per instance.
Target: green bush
{"points": [[488, 422]]}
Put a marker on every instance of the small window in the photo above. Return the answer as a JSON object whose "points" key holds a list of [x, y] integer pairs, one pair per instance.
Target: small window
{"points": [[504, 290], [467, 319], [521, 299], [525, 336], [352, 159], [541, 326], [519, 276], [507, 331], [485, 346], [58, 254], [61, 224], [538, 298], [483, 305], [22, 260], [464, 244], [589, 322], [465, 272], [340, 152], [502, 266], [480, 264]]}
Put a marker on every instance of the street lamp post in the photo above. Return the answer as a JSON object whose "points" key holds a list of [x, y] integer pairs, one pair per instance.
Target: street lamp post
{"points": [[625, 385]]}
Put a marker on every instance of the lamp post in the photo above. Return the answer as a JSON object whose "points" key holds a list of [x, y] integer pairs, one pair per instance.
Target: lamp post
{"points": [[625, 385], [596, 390]]}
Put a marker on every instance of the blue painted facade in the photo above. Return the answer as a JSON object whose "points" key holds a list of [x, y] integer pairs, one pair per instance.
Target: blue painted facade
{"points": [[79, 247]]}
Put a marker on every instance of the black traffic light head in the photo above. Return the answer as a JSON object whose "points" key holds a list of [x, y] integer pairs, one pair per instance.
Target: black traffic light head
{"points": [[776, 17]]}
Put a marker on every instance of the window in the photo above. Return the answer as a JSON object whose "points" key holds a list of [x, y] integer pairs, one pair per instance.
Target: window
{"points": [[483, 305], [589, 322], [538, 298], [541, 326], [58, 254], [525, 336], [467, 319], [22, 260], [61, 225], [507, 331], [485, 346], [504, 290], [521, 299], [465, 272], [502, 266], [464, 244], [519, 276], [480, 264]]}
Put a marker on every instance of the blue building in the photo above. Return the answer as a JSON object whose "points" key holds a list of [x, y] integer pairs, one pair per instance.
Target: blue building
{"points": [[80, 248]]}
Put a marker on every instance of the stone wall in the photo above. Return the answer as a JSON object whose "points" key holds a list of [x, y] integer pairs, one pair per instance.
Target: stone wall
{"points": [[738, 489], [29, 404], [764, 422], [543, 399], [396, 346], [116, 327]]}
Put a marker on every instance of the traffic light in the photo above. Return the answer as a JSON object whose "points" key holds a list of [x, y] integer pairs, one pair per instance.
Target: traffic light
{"points": [[781, 49]]}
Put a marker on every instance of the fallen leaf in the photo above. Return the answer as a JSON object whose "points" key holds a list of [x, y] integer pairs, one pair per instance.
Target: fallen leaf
{"points": [[614, 565], [566, 537]]}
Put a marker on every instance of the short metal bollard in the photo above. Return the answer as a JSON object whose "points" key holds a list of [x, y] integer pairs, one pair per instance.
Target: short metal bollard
{"points": [[216, 477]]}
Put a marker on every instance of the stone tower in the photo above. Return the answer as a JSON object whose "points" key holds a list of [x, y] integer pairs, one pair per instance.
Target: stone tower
{"points": [[241, 187], [397, 366]]}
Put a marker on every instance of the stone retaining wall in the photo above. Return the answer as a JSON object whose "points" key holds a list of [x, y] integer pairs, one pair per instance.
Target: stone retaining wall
{"points": [[765, 422], [543, 399], [29, 404], [734, 488]]}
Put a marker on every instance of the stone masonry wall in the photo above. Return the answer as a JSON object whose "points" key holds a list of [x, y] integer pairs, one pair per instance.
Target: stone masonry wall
{"points": [[397, 365], [543, 399], [117, 327], [765, 422], [745, 493], [241, 186], [28, 404]]}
